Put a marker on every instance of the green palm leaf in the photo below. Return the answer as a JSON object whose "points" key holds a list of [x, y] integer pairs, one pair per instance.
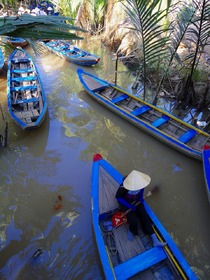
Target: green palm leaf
{"points": [[39, 27], [147, 18], [182, 19], [199, 34]]}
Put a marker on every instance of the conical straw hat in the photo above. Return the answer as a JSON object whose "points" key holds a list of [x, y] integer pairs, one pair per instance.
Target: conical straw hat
{"points": [[136, 181]]}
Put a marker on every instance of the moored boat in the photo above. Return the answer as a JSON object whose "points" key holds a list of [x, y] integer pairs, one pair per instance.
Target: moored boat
{"points": [[27, 102], [206, 168], [72, 53], [17, 42], [120, 257], [160, 124]]}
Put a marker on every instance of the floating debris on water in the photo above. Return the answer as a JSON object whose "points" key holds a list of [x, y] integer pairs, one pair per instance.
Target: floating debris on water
{"points": [[37, 254]]}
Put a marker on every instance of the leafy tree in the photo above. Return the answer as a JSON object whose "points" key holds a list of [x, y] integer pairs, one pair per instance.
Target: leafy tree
{"points": [[146, 17], [161, 35]]}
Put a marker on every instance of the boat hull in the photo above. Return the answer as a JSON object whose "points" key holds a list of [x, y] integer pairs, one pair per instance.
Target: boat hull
{"points": [[17, 42], [156, 122], [206, 169], [72, 53], [130, 258], [27, 102]]}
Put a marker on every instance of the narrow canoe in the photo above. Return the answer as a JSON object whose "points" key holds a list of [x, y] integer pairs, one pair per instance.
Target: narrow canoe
{"points": [[1, 59], [27, 102], [121, 258], [158, 123], [206, 168], [72, 53]]}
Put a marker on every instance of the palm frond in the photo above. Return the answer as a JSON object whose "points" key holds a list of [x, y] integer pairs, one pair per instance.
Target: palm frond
{"points": [[146, 17], [39, 27], [179, 27], [199, 33]]}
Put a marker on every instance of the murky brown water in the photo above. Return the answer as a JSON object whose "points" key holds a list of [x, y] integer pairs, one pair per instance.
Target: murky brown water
{"points": [[55, 160]]}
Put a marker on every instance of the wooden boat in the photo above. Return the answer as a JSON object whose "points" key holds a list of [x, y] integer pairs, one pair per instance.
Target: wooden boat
{"points": [[27, 102], [17, 41], [158, 123], [72, 53], [206, 168], [1, 59], [120, 257]]}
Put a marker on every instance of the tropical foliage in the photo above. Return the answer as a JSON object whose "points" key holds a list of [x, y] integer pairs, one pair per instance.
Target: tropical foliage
{"points": [[38, 27], [162, 29], [146, 17], [35, 28]]}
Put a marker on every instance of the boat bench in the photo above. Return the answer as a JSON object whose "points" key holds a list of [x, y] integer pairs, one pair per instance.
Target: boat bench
{"points": [[141, 110], [119, 98], [34, 99], [24, 79], [132, 253], [187, 136], [145, 260], [160, 121], [20, 60], [23, 88], [27, 70]]}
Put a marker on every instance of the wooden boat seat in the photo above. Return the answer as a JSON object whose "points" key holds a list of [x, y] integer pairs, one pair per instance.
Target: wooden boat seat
{"points": [[160, 121], [23, 88], [24, 79], [20, 60], [145, 260], [141, 110], [119, 98], [187, 136], [34, 99], [22, 70], [130, 251]]}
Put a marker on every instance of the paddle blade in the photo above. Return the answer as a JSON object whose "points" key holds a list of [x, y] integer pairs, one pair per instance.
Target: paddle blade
{"points": [[119, 219], [152, 191]]}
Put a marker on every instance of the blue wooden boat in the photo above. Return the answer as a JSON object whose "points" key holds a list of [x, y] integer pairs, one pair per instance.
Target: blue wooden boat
{"points": [[27, 102], [120, 257], [72, 53], [1, 59], [206, 168], [158, 123], [17, 41]]}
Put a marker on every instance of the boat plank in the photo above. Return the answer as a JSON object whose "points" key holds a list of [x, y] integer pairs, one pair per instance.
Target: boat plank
{"points": [[119, 98], [160, 121], [144, 260], [187, 136], [141, 110]]}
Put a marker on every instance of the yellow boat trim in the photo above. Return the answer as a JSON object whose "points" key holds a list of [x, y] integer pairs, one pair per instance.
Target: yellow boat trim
{"points": [[110, 262], [163, 112], [168, 251], [200, 131]]}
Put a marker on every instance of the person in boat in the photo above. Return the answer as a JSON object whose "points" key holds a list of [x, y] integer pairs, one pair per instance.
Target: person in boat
{"points": [[130, 197]]}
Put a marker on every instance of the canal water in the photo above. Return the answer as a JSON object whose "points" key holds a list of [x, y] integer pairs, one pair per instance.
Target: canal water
{"points": [[45, 190]]}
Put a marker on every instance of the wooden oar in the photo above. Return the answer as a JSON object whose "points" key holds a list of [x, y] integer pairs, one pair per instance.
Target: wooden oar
{"points": [[119, 218]]}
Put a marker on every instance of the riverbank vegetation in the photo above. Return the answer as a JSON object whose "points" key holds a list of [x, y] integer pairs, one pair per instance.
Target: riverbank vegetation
{"points": [[165, 43]]}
